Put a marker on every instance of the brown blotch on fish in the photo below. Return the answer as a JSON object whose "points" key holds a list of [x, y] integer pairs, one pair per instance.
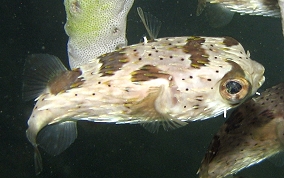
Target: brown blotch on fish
{"points": [[198, 57], [148, 72], [229, 41], [112, 62], [65, 81]]}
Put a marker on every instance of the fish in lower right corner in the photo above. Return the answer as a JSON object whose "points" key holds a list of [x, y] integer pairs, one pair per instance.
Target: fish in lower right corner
{"points": [[254, 132]]}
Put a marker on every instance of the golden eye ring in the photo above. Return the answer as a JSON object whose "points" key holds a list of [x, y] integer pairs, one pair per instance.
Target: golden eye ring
{"points": [[235, 90]]}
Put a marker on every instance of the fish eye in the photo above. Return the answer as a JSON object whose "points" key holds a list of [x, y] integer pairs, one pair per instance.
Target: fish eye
{"points": [[233, 87], [235, 90]]}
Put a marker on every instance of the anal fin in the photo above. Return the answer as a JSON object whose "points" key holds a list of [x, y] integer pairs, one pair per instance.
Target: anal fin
{"points": [[55, 138]]}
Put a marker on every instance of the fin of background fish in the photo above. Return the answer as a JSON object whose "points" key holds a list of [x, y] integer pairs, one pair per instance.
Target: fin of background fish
{"points": [[252, 133], [218, 15], [55, 138], [200, 7], [281, 5], [95, 28], [39, 69], [151, 23]]}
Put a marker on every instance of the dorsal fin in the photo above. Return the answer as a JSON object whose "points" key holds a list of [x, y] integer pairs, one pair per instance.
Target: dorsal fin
{"points": [[151, 23], [39, 70]]}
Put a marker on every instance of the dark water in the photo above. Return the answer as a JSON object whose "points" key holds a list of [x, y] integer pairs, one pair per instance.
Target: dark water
{"points": [[107, 150]]}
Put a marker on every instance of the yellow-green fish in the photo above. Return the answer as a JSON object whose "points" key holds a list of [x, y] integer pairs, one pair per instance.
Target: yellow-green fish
{"points": [[164, 82], [95, 27], [254, 132]]}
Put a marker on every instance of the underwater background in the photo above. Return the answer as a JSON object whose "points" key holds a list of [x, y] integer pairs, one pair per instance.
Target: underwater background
{"points": [[109, 150]]}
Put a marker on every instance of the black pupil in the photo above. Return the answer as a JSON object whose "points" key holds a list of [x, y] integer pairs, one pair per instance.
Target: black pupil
{"points": [[233, 87]]}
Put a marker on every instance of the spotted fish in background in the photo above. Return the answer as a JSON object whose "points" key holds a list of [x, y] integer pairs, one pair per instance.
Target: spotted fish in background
{"points": [[164, 82], [272, 8], [254, 132], [94, 27]]}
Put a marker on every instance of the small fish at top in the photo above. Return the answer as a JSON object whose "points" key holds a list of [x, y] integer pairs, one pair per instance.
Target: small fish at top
{"points": [[219, 16], [254, 132], [165, 82]]}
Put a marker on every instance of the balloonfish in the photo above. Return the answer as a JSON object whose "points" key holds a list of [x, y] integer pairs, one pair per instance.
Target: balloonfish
{"points": [[165, 82], [254, 132], [272, 8], [94, 27]]}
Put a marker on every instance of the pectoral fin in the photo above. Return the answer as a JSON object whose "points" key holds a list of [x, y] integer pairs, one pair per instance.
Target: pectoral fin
{"points": [[151, 118]]}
